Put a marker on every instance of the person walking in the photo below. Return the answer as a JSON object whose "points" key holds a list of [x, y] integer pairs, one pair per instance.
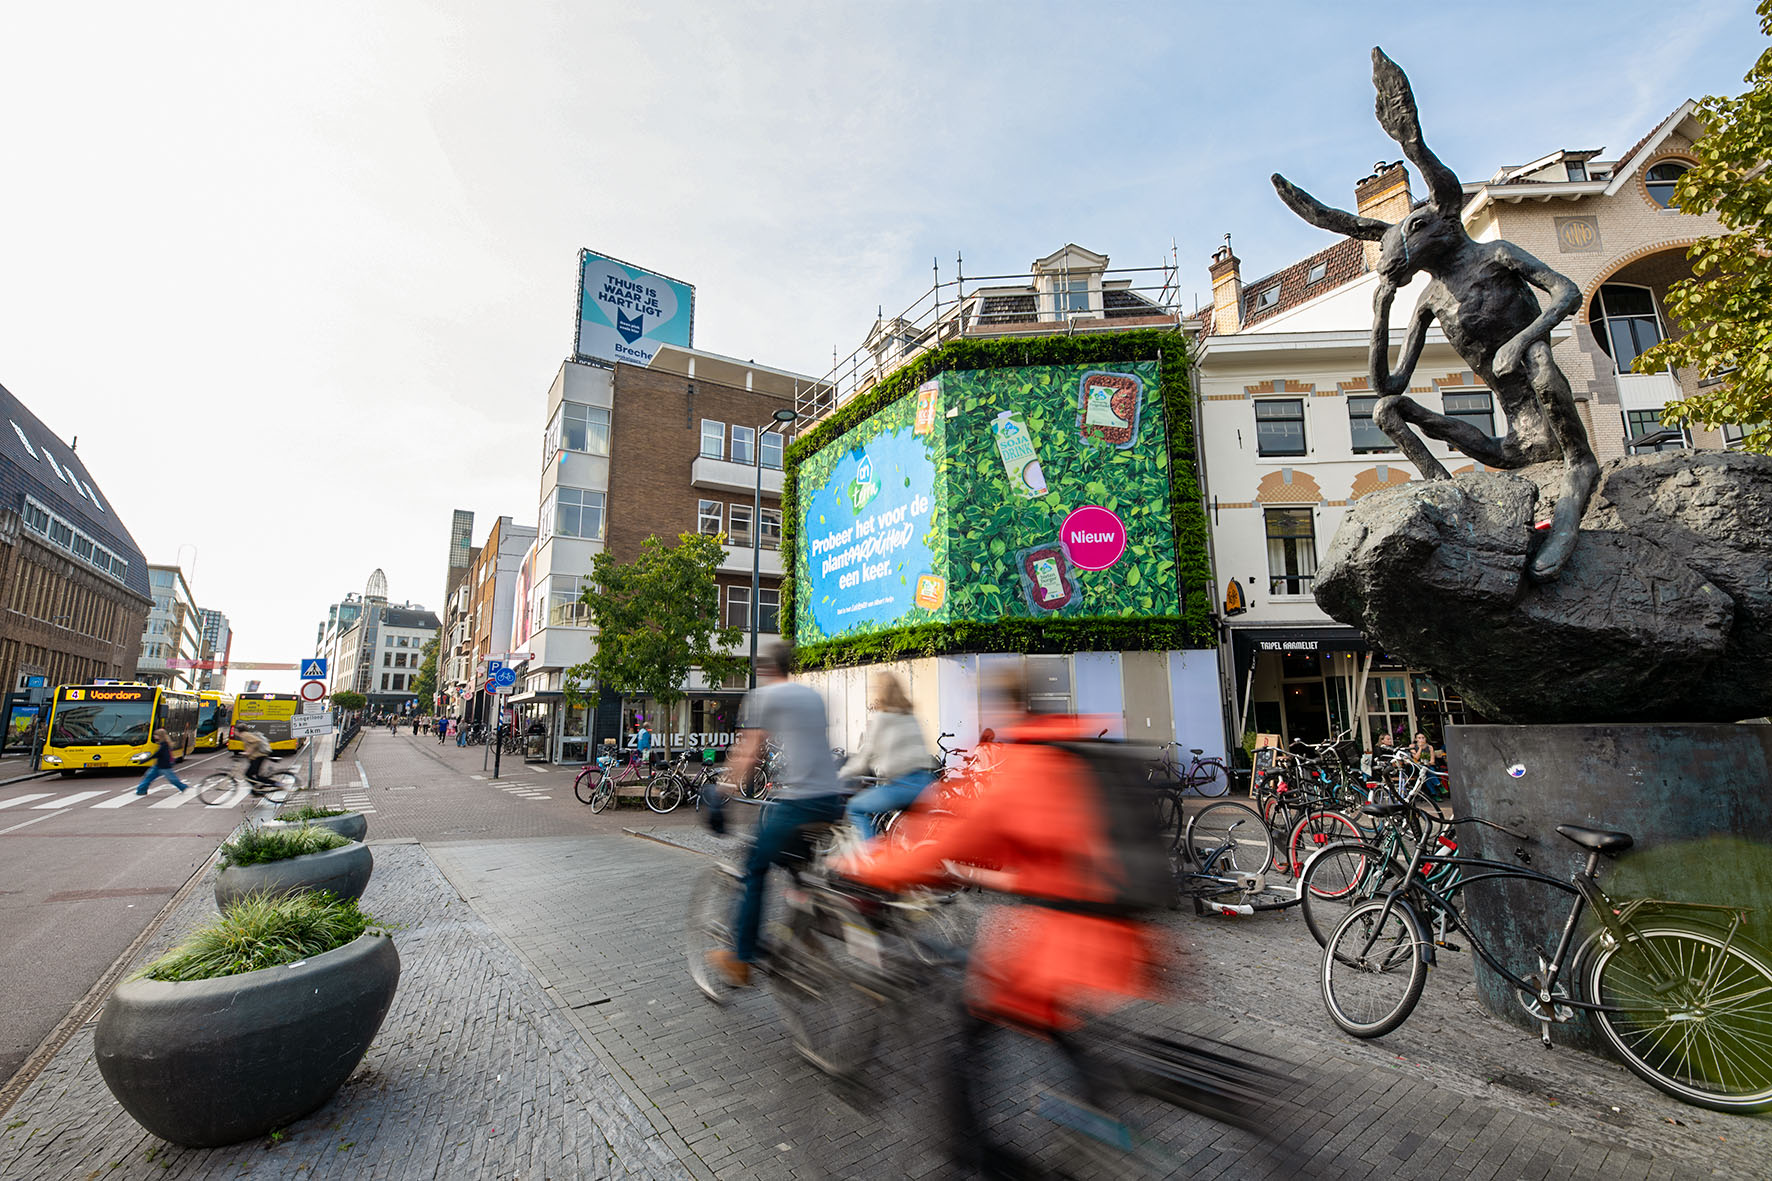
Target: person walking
{"points": [[892, 751], [458, 732], [162, 765], [415, 725], [442, 729], [793, 716], [642, 743]]}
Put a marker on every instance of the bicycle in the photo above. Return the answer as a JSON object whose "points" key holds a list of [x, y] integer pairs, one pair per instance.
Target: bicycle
{"points": [[597, 782], [222, 785], [1677, 994], [668, 788], [1232, 869]]}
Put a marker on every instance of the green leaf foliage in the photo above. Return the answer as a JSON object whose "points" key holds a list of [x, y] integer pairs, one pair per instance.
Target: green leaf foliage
{"points": [[307, 812], [424, 686], [255, 845], [657, 618], [349, 699], [1726, 307], [262, 931], [1191, 628]]}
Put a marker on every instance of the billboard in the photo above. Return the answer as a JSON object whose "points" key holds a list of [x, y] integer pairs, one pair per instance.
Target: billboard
{"points": [[625, 313], [991, 494]]}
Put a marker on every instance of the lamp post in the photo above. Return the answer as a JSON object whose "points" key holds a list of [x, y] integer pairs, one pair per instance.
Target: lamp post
{"points": [[781, 417]]}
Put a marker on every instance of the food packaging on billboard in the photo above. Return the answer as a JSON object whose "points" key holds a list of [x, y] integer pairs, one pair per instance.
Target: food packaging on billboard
{"points": [[1044, 572], [1021, 462], [1108, 408]]}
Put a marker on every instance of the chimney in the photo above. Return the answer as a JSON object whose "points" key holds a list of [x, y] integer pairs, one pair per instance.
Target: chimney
{"points": [[1227, 291], [1383, 195]]}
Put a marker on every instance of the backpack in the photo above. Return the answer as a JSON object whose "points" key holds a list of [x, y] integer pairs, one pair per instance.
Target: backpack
{"points": [[1136, 863]]}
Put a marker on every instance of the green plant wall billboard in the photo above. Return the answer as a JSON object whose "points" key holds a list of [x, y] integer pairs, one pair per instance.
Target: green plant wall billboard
{"points": [[990, 494]]}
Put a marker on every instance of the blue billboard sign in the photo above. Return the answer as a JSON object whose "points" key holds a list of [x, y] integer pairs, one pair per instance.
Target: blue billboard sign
{"points": [[625, 313]]}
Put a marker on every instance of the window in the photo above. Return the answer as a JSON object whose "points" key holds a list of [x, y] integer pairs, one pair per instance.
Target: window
{"points": [[387, 641], [20, 432], [1317, 273], [738, 517], [1661, 179], [1628, 324], [1291, 550], [387, 660], [563, 608], [1365, 432], [399, 660], [573, 512], [1733, 434], [1638, 423], [743, 438], [713, 439], [770, 530], [584, 428], [738, 606], [1478, 409], [384, 682], [1279, 427], [772, 446], [1073, 296], [709, 517], [768, 609], [1266, 298], [1576, 169], [403, 642]]}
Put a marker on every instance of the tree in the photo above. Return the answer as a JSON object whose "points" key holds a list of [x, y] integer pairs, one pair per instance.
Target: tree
{"points": [[347, 699], [1726, 307], [425, 684], [657, 617]]}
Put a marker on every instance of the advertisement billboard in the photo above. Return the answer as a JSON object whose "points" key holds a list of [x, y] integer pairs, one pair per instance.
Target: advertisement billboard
{"points": [[990, 494], [625, 313]]}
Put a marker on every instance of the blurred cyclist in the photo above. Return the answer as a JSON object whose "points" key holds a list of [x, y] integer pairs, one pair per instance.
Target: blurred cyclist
{"points": [[257, 748], [1047, 968], [892, 751], [805, 790]]}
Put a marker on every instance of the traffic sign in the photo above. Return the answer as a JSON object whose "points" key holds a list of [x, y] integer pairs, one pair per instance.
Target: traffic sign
{"points": [[310, 725], [504, 678], [313, 669], [313, 690]]}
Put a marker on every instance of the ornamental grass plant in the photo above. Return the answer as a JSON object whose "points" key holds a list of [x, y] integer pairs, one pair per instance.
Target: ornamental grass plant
{"points": [[256, 845], [262, 931], [308, 812]]}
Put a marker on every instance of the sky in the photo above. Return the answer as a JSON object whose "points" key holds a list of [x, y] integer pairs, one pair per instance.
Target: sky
{"points": [[299, 277]]}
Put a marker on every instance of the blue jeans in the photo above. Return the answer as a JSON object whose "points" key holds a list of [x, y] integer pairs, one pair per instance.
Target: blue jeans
{"points": [[900, 793], [141, 789], [778, 836]]}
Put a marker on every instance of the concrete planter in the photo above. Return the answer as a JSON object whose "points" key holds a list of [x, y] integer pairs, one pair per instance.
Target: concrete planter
{"points": [[342, 872], [1694, 797], [204, 1063], [352, 825]]}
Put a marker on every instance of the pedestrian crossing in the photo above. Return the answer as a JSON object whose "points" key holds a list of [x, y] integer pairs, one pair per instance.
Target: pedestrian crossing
{"points": [[522, 789], [159, 796]]}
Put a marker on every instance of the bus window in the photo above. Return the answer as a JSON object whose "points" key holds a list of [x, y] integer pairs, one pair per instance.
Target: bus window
{"points": [[103, 723]]}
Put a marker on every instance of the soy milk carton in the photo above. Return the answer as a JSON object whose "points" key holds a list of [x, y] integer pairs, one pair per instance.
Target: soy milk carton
{"points": [[1021, 462]]}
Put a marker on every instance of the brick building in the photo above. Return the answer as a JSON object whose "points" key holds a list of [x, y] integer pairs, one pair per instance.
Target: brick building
{"points": [[73, 581], [631, 452]]}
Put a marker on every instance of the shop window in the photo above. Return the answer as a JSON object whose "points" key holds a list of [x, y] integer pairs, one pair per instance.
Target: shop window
{"points": [[1478, 409], [1291, 550], [1279, 427], [1364, 432]]}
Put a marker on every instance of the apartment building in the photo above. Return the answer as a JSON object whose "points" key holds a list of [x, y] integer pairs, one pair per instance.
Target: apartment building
{"points": [[172, 637]]}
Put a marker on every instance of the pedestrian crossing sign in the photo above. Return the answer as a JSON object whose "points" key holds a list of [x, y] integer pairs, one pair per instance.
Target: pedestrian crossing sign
{"points": [[313, 669]]}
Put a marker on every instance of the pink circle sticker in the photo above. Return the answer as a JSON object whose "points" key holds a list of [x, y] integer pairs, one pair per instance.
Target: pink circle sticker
{"points": [[1094, 537]]}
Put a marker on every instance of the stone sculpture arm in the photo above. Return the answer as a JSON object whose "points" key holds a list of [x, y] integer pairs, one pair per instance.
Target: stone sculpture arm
{"points": [[1564, 298], [1384, 382]]}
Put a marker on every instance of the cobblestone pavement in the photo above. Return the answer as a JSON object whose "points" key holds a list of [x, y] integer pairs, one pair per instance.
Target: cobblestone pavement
{"points": [[475, 1074], [1453, 1093]]}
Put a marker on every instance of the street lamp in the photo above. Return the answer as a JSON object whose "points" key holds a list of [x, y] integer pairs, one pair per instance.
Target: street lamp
{"points": [[782, 417]]}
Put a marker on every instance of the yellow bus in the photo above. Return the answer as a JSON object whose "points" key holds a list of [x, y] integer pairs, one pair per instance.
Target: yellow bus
{"points": [[214, 718], [268, 714], [93, 727]]}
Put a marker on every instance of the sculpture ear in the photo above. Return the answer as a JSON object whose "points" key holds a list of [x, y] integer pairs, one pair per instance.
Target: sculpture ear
{"points": [[1398, 115], [1320, 215]]}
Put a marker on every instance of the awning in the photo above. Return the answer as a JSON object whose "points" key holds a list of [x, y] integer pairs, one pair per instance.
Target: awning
{"points": [[1248, 642], [533, 696]]}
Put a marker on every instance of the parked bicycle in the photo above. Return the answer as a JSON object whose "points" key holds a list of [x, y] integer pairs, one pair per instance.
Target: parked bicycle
{"points": [[597, 783], [1678, 993], [1225, 863]]}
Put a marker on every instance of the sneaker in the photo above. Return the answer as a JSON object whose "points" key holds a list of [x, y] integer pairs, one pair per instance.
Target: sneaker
{"points": [[733, 970]]}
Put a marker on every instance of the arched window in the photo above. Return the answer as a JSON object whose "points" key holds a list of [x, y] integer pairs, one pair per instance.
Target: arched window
{"points": [[1625, 322], [1661, 178]]}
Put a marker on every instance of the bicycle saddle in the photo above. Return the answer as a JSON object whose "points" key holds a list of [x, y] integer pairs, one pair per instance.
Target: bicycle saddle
{"points": [[1384, 809], [1600, 840], [1194, 750]]}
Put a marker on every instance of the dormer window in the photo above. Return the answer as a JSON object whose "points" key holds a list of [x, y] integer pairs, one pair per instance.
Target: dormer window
{"points": [[1317, 273], [1266, 299], [1577, 169], [1661, 179]]}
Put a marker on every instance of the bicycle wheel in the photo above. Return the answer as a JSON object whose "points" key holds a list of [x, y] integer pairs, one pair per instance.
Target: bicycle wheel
{"points": [[708, 927], [831, 1015], [585, 786], [1705, 1037], [602, 794], [1235, 828], [217, 787], [1337, 878], [664, 793], [1316, 830], [280, 784], [1171, 819], [1373, 970], [1210, 779]]}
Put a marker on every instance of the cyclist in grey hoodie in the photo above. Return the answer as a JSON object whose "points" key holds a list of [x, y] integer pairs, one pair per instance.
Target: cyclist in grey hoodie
{"points": [[892, 751]]}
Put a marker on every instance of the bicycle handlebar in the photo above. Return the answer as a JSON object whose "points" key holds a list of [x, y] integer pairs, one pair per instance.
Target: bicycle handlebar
{"points": [[1521, 836]]}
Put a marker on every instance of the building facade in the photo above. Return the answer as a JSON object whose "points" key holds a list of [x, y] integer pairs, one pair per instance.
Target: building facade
{"points": [[491, 588], [73, 582], [218, 647], [172, 637]]}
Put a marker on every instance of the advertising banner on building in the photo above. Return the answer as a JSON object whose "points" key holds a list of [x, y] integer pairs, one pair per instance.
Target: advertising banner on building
{"points": [[625, 313], [990, 494]]}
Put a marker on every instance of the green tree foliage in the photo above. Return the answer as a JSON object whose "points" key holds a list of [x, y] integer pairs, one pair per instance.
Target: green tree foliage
{"points": [[424, 686], [347, 699], [1726, 307], [657, 617]]}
